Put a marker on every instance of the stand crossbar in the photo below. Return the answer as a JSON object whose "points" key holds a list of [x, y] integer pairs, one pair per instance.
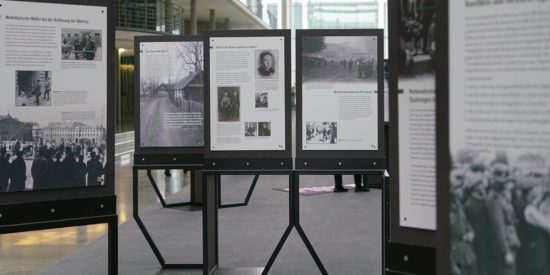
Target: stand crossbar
{"points": [[247, 199]]}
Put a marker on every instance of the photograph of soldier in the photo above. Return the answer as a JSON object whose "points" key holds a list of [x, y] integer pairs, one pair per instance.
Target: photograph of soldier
{"points": [[171, 100], [500, 214], [81, 44], [34, 157], [264, 129], [321, 133], [416, 36], [251, 129], [267, 67], [229, 103], [33, 88], [339, 59], [262, 100]]}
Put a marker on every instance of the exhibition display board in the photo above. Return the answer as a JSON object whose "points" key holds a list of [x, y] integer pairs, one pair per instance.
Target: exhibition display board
{"points": [[494, 145], [169, 99], [248, 113], [413, 116], [56, 132], [339, 110], [411, 210]]}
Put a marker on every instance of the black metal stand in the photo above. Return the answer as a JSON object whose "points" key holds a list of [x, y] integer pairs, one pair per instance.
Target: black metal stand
{"points": [[211, 199], [248, 195], [294, 221], [140, 223], [192, 200], [59, 214]]}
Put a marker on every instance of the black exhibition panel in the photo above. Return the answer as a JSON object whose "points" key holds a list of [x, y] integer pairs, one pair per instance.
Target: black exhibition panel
{"points": [[66, 202], [155, 144], [348, 159], [348, 58], [493, 143], [256, 154], [408, 250], [169, 98], [248, 159]]}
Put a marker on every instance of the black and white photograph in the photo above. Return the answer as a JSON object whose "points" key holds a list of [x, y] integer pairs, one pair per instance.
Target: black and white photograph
{"points": [[81, 44], [321, 133], [229, 104], [267, 65], [500, 213], [33, 88], [262, 100], [34, 156], [251, 129], [416, 37], [339, 59], [264, 129], [171, 94]]}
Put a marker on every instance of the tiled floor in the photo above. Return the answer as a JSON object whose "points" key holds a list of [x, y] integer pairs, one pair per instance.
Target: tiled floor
{"points": [[29, 252]]}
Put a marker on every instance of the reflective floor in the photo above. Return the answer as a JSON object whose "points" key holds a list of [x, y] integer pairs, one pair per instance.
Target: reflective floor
{"points": [[29, 252]]}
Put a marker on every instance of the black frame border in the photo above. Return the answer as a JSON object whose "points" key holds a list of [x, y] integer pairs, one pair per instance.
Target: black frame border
{"points": [[340, 159], [161, 155], [257, 159], [443, 163]]}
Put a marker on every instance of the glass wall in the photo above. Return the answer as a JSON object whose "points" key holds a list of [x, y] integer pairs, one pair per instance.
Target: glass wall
{"points": [[150, 15], [267, 10], [336, 14]]}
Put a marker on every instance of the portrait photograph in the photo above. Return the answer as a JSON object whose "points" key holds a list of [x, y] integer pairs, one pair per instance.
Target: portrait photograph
{"points": [[264, 129], [251, 129], [267, 67], [262, 100]]}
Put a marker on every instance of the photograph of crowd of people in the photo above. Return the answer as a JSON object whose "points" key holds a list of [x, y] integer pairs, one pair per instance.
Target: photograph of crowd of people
{"points": [[321, 133], [264, 129], [79, 44], [251, 129], [229, 103], [266, 64], [500, 213], [262, 100], [33, 88], [172, 102], [339, 59], [416, 36], [36, 158]]}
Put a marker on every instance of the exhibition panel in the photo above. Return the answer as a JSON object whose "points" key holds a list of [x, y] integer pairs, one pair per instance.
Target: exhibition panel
{"points": [[411, 208], [170, 102], [247, 115], [412, 103], [339, 113], [54, 72], [494, 146], [56, 131], [169, 95]]}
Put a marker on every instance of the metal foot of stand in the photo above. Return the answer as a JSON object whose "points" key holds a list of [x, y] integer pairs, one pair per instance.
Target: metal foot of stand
{"points": [[144, 230], [161, 198], [248, 195], [294, 221]]}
